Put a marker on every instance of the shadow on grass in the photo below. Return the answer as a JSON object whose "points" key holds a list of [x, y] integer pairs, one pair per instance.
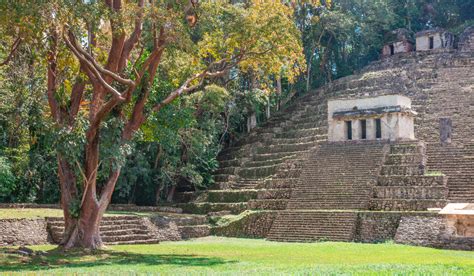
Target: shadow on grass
{"points": [[10, 261]]}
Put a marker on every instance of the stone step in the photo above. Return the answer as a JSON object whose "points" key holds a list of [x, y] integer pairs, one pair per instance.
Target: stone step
{"points": [[279, 155], [412, 180], [285, 148], [109, 233], [242, 195], [406, 204], [194, 231], [404, 149], [257, 172], [268, 204], [105, 219], [104, 224], [297, 133], [412, 192], [230, 163], [114, 230], [226, 170], [136, 241], [207, 207], [404, 159], [301, 225], [281, 193], [270, 162], [182, 220], [402, 170], [303, 139], [278, 183], [224, 177], [221, 185], [122, 238]]}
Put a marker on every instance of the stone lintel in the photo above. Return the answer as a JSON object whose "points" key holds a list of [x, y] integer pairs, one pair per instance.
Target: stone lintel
{"points": [[372, 112]]}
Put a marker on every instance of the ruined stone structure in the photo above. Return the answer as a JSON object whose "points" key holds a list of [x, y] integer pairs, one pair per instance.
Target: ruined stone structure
{"points": [[460, 219], [434, 39], [387, 117], [397, 41], [163, 224], [313, 183], [466, 41]]}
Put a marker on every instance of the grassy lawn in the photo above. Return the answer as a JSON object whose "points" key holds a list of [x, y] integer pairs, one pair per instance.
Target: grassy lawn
{"points": [[8, 213], [245, 256]]}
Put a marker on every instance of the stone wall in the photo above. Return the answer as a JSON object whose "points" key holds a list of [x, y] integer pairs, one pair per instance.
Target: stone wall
{"points": [[377, 226], [466, 41], [254, 225], [430, 230], [23, 232]]}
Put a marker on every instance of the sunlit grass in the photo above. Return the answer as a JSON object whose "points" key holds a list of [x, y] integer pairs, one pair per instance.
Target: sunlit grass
{"points": [[246, 256], [9, 213]]}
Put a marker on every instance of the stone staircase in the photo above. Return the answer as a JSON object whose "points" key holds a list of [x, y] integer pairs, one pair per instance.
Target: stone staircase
{"points": [[131, 229], [312, 225], [113, 230], [338, 176], [188, 226], [259, 171], [405, 184], [458, 164], [337, 180]]}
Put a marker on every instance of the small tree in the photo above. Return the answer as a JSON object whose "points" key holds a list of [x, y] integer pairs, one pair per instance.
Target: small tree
{"points": [[102, 59]]}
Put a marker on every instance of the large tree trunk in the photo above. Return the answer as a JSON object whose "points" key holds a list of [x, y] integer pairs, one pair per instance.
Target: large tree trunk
{"points": [[84, 231], [82, 215]]}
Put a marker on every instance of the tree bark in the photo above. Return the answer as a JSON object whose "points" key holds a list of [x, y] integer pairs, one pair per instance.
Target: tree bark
{"points": [[84, 231]]}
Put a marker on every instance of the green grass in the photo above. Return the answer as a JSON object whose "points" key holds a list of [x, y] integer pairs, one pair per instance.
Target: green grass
{"points": [[245, 256], [9, 213]]}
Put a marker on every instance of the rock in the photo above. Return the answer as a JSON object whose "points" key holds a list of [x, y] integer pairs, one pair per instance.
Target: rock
{"points": [[22, 250]]}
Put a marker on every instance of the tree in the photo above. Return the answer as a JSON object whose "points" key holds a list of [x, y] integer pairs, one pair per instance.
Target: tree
{"points": [[102, 59]]}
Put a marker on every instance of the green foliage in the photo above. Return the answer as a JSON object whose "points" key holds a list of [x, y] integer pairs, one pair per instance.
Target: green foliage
{"points": [[7, 180], [75, 208]]}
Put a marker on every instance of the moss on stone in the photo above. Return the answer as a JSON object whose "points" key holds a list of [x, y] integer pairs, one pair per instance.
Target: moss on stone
{"points": [[249, 224]]}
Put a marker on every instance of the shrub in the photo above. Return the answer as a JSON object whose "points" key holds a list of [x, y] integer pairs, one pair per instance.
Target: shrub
{"points": [[7, 180]]}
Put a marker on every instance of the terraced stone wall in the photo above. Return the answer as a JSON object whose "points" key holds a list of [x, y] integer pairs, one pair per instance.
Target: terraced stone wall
{"points": [[254, 225], [376, 227], [440, 86], [430, 230], [23, 232]]}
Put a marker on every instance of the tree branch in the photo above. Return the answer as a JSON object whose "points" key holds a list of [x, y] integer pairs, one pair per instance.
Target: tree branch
{"points": [[99, 68], [76, 98], [52, 75], [12, 51], [133, 39], [93, 70]]}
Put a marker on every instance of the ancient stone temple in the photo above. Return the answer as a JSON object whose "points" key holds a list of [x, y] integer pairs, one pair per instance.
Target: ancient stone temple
{"points": [[466, 41], [397, 41], [459, 219], [370, 157], [387, 117], [434, 39]]}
